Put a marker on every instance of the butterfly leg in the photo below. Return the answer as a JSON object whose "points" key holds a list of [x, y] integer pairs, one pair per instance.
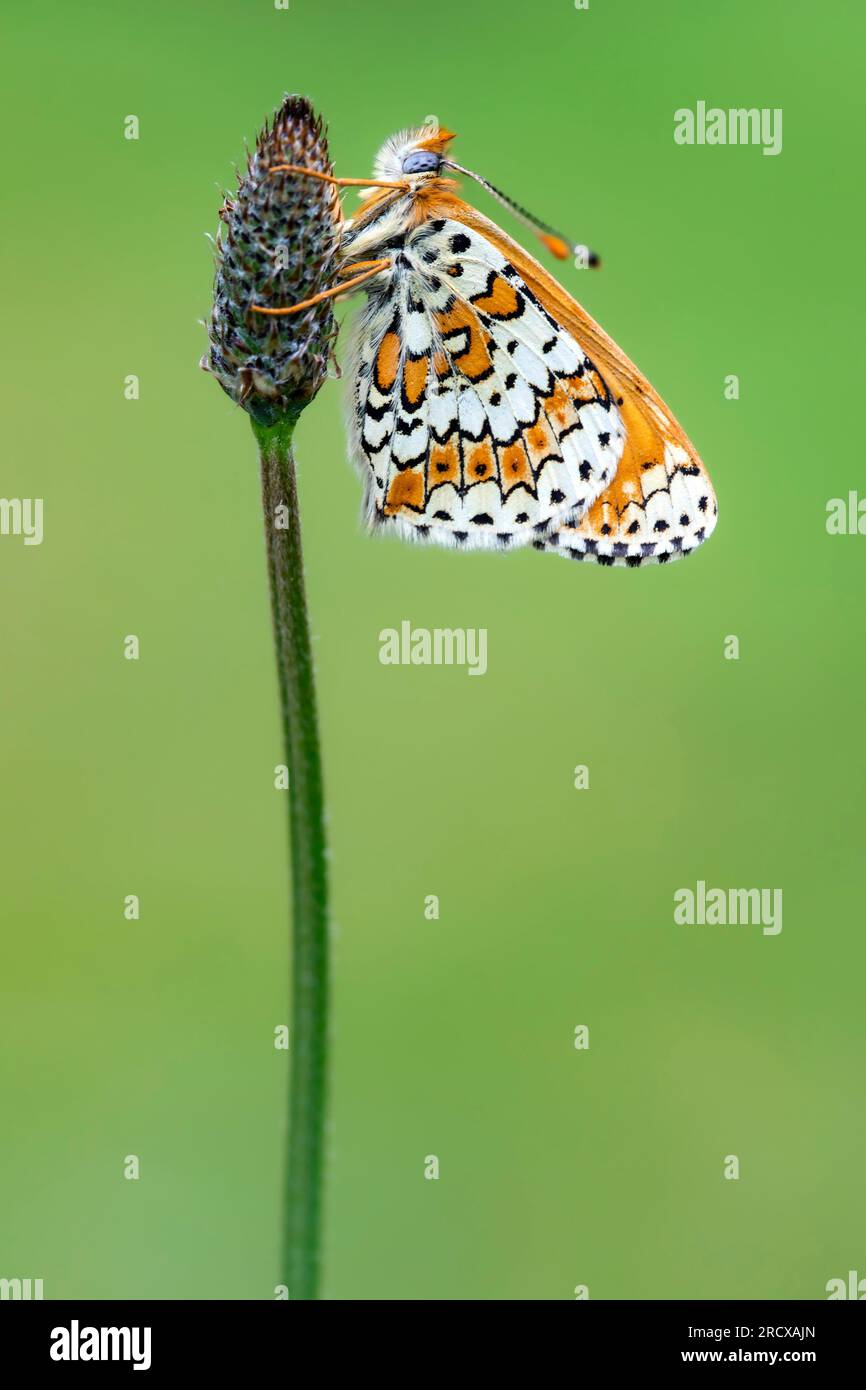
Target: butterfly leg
{"points": [[367, 270], [329, 178]]}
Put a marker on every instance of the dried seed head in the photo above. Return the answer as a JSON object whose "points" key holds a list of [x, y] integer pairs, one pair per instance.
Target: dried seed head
{"points": [[276, 247]]}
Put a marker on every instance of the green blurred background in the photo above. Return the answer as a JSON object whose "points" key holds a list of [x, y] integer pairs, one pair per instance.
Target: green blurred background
{"points": [[452, 1037]]}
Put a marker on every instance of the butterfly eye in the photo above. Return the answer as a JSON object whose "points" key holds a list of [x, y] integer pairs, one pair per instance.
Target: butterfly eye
{"points": [[421, 162]]}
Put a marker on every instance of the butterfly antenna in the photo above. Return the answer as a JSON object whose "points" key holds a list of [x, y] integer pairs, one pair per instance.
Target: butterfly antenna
{"points": [[556, 243]]}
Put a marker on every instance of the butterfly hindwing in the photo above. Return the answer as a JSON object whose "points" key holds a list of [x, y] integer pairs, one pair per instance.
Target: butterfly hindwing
{"points": [[476, 417]]}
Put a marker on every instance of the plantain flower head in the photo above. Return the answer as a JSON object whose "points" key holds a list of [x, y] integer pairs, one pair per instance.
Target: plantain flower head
{"points": [[276, 247]]}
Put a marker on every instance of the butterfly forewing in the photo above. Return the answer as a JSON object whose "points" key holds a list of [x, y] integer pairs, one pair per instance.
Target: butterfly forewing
{"points": [[661, 505], [478, 419]]}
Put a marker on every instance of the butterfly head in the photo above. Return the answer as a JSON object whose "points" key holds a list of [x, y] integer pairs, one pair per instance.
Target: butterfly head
{"points": [[415, 158], [416, 155]]}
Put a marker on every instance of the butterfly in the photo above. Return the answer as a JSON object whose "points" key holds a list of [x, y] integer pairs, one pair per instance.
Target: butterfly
{"points": [[488, 409]]}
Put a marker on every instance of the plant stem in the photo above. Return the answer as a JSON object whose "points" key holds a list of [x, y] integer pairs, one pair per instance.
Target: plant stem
{"points": [[308, 1051]]}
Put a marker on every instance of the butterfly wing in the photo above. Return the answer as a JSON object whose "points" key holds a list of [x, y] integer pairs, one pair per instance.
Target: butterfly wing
{"points": [[476, 418], [660, 504]]}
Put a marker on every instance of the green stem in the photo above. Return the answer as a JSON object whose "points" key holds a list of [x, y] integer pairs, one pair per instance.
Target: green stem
{"points": [[308, 1048]]}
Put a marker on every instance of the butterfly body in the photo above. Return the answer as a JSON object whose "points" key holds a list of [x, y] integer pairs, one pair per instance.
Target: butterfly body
{"points": [[488, 409]]}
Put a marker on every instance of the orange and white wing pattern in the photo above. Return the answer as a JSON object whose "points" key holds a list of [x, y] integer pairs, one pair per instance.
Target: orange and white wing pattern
{"points": [[476, 418], [660, 504]]}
